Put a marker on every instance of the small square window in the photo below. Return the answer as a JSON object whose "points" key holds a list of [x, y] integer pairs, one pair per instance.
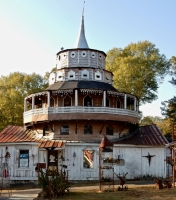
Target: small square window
{"points": [[24, 158], [71, 76], [85, 75]]}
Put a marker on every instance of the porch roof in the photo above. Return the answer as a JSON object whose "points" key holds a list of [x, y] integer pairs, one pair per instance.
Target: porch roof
{"points": [[145, 135], [17, 134]]}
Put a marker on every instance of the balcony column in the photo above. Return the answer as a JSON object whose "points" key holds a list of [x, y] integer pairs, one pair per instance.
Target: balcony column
{"points": [[104, 98], [125, 101], [33, 101], [135, 106], [48, 99], [25, 105], [76, 97]]}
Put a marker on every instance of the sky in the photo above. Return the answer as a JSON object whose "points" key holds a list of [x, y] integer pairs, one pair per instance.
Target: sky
{"points": [[33, 31]]}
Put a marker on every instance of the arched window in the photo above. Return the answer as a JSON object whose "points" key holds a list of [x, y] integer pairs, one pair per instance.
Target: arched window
{"points": [[71, 75], [109, 130], [88, 129], [107, 102], [67, 101], [46, 130], [118, 103], [64, 130], [87, 101], [97, 75], [85, 74]]}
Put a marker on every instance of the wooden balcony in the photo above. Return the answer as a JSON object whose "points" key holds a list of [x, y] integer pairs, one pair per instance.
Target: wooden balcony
{"points": [[80, 112]]}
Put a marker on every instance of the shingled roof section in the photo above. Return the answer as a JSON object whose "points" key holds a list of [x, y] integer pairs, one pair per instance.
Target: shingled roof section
{"points": [[145, 135], [17, 134], [93, 85]]}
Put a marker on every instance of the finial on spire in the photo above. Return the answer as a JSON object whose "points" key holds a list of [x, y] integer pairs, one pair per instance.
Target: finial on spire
{"points": [[83, 9], [81, 41]]}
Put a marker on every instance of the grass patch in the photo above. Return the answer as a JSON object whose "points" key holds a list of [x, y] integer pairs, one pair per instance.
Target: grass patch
{"points": [[132, 194]]}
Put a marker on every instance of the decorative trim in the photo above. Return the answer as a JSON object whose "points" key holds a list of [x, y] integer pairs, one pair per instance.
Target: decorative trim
{"points": [[91, 91], [62, 91]]}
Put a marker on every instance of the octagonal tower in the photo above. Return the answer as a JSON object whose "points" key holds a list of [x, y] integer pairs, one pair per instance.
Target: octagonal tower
{"points": [[80, 103]]}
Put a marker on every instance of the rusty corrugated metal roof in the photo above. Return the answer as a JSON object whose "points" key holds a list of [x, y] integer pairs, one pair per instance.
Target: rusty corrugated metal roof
{"points": [[15, 134], [145, 135]]}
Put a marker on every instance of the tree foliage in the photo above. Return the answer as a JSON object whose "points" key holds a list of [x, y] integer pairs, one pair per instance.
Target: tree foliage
{"points": [[13, 89], [146, 121], [163, 124], [173, 70], [138, 69], [165, 127], [168, 109]]}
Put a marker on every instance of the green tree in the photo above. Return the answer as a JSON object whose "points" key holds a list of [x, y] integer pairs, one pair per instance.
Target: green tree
{"points": [[163, 124], [165, 127], [146, 121], [168, 109], [13, 89], [138, 69]]}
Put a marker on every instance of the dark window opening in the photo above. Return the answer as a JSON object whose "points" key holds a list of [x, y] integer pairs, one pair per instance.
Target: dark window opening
{"points": [[88, 129], [67, 101], [24, 158], [118, 103], [85, 75], [88, 101], [109, 130], [130, 103], [45, 130], [98, 76], [107, 102], [64, 130], [60, 76], [71, 76]]}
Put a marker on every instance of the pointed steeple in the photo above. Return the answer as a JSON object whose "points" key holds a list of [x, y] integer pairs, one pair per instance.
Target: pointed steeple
{"points": [[81, 41]]}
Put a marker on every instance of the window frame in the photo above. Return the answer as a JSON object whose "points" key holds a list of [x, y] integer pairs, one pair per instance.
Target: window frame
{"points": [[90, 127], [21, 164], [64, 132], [93, 159]]}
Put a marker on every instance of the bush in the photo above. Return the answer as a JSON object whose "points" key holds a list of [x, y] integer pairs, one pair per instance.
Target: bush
{"points": [[53, 183]]}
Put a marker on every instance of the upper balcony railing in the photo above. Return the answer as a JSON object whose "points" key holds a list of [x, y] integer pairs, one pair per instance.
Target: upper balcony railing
{"points": [[80, 109]]}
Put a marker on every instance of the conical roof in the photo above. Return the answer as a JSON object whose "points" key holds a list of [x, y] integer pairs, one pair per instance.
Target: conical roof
{"points": [[105, 143], [81, 41]]}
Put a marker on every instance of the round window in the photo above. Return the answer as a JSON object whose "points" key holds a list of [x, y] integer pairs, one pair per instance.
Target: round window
{"points": [[93, 55], [100, 56], [83, 54], [73, 54]]}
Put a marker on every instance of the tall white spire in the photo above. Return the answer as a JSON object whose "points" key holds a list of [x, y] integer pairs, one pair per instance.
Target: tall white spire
{"points": [[81, 41]]}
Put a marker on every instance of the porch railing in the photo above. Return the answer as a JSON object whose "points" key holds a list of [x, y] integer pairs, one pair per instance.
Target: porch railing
{"points": [[80, 109]]}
